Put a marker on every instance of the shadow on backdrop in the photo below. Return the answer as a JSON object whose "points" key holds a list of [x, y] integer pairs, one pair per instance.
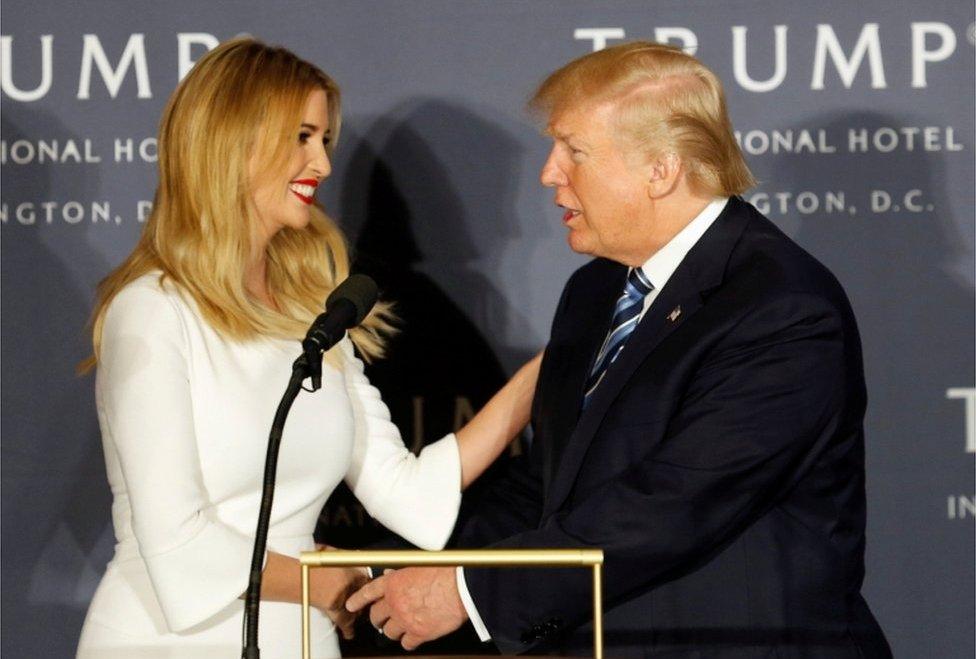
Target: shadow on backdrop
{"points": [[56, 523], [428, 191]]}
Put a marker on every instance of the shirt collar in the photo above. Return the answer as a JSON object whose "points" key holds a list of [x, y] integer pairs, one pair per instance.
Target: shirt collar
{"points": [[666, 260]]}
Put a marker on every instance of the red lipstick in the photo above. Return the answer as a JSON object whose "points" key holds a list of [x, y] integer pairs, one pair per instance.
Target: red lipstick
{"points": [[305, 200], [307, 185]]}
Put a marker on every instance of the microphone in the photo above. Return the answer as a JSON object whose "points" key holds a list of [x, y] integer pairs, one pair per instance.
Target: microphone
{"points": [[346, 307]]}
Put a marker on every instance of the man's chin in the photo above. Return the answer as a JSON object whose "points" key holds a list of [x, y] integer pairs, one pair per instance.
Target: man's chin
{"points": [[579, 244]]}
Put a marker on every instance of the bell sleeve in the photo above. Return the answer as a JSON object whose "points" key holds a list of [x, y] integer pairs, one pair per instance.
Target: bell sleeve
{"points": [[197, 564], [416, 497]]}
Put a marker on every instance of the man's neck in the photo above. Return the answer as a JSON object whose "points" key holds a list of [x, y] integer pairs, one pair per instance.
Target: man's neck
{"points": [[671, 215]]}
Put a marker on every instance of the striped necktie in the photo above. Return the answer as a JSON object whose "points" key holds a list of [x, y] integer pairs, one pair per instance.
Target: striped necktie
{"points": [[625, 316]]}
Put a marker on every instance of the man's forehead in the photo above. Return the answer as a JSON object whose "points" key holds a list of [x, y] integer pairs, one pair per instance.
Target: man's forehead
{"points": [[572, 121]]}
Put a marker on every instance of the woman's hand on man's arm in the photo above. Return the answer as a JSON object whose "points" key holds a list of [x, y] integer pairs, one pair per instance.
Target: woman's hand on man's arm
{"points": [[500, 421]]}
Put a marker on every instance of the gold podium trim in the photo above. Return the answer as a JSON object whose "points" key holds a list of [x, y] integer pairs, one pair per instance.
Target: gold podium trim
{"points": [[592, 558]]}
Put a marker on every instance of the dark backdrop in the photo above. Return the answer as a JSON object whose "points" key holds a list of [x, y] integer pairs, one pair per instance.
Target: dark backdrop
{"points": [[858, 119]]}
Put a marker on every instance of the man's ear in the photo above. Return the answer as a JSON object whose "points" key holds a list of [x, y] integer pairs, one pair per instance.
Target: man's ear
{"points": [[663, 174]]}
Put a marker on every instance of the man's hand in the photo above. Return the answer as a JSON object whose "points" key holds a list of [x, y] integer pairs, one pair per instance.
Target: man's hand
{"points": [[413, 605]]}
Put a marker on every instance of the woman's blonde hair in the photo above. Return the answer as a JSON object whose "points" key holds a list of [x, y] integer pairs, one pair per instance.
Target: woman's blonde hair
{"points": [[666, 101], [242, 98]]}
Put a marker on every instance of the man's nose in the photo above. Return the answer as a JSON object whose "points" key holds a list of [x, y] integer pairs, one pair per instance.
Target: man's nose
{"points": [[552, 175]]}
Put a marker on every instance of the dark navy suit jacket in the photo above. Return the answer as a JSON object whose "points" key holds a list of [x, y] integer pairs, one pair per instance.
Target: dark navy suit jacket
{"points": [[720, 465]]}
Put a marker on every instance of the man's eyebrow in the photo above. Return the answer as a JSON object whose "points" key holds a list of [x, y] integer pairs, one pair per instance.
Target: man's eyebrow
{"points": [[574, 140]]}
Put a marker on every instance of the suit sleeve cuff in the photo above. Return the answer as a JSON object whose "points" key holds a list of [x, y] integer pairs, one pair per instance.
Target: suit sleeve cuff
{"points": [[479, 625]]}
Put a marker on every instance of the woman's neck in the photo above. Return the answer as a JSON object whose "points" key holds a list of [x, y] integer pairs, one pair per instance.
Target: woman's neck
{"points": [[256, 281]]}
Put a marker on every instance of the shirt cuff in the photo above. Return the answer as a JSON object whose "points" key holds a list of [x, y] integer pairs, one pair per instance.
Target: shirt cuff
{"points": [[479, 625]]}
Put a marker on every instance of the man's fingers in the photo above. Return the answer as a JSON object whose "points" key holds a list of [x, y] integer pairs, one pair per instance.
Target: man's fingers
{"points": [[393, 630], [379, 614], [410, 642], [370, 592]]}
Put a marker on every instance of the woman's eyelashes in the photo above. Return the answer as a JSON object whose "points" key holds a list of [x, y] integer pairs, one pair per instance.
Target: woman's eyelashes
{"points": [[305, 136]]}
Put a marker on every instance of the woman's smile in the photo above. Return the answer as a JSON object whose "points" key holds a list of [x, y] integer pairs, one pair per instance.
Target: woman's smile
{"points": [[304, 189]]}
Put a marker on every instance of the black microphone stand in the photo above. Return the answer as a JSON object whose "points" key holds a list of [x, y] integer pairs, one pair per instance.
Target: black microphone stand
{"points": [[309, 365], [346, 307]]}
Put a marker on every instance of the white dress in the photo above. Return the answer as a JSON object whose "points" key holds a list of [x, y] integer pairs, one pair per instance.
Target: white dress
{"points": [[185, 416]]}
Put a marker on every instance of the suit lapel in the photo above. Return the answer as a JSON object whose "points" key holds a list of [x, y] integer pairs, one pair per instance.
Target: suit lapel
{"points": [[592, 314], [684, 294]]}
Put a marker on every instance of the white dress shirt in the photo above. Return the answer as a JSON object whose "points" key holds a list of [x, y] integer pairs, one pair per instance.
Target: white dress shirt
{"points": [[658, 269]]}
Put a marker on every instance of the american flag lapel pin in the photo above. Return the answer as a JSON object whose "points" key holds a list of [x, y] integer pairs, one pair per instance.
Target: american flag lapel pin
{"points": [[673, 316]]}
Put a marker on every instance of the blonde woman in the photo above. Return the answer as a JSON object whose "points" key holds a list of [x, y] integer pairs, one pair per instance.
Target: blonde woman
{"points": [[194, 335]]}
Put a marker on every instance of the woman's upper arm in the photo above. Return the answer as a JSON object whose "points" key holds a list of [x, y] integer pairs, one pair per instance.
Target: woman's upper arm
{"points": [[197, 564], [144, 393]]}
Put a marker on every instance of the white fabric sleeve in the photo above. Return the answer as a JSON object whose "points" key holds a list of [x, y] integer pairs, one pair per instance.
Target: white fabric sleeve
{"points": [[197, 565], [416, 497], [472, 610]]}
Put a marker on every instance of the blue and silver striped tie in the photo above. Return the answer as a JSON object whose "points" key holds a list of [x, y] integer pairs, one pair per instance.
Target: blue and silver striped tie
{"points": [[625, 317]]}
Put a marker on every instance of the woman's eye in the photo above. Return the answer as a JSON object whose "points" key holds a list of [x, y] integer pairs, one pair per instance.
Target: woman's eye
{"points": [[326, 140], [303, 137]]}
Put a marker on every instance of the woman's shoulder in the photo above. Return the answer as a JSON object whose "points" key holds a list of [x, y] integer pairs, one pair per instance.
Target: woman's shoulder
{"points": [[150, 286], [148, 300], [144, 324]]}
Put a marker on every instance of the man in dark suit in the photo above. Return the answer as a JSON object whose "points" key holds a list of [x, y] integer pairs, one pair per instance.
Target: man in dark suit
{"points": [[699, 411]]}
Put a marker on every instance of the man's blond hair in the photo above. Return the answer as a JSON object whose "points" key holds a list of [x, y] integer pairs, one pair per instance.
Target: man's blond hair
{"points": [[666, 101]]}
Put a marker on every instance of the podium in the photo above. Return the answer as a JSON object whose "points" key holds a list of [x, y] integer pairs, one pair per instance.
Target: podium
{"points": [[569, 558]]}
